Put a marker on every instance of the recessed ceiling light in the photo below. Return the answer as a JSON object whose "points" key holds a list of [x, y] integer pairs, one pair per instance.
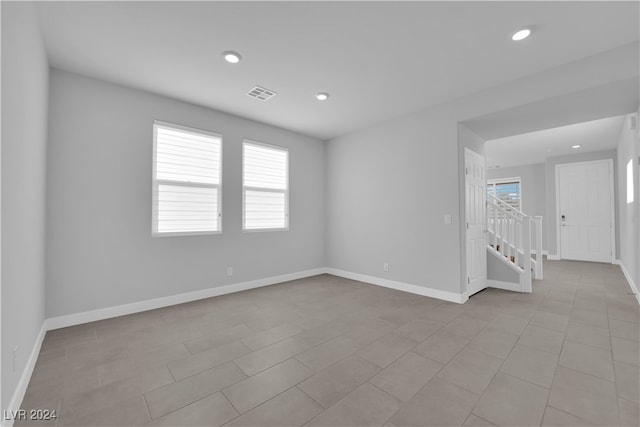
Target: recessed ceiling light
{"points": [[521, 35], [322, 96], [576, 146], [232, 57]]}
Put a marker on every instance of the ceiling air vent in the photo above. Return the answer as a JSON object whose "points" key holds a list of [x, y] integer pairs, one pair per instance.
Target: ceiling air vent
{"points": [[261, 93]]}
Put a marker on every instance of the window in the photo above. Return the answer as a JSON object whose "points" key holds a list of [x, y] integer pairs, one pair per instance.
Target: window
{"points": [[265, 187], [630, 188], [186, 180], [507, 190]]}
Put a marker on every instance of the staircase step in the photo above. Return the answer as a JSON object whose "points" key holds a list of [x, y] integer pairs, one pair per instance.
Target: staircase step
{"points": [[512, 258]]}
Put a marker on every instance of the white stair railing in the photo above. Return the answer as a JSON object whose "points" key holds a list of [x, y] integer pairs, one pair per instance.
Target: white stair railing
{"points": [[510, 234]]}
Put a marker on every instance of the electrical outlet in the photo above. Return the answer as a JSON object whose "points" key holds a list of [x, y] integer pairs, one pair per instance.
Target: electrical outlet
{"points": [[229, 271], [385, 266], [447, 219], [15, 358]]}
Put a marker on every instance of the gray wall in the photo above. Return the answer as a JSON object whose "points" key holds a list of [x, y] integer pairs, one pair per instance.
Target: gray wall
{"points": [[100, 249], [389, 187], [551, 192], [533, 187], [25, 79], [629, 253]]}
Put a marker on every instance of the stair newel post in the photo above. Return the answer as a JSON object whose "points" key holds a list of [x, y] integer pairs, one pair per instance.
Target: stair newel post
{"points": [[495, 226], [505, 235], [512, 226], [490, 238], [509, 238], [520, 246], [539, 270], [492, 225], [526, 245], [514, 238], [498, 229], [517, 238], [502, 232]]}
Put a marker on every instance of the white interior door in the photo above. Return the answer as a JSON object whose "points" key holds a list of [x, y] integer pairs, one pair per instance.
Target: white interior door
{"points": [[475, 199], [585, 202]]}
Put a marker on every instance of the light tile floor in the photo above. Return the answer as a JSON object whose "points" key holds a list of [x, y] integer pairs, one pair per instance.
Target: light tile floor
{"points": [[331, 351]]}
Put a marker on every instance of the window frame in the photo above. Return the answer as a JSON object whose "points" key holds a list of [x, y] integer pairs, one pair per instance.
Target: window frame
{"points": [[510, 180], [630, 182], [155, 182], [264, 189]]}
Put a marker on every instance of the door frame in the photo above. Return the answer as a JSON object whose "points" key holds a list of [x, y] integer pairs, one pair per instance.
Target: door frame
{"points": [[612, 209], [471, 291]]}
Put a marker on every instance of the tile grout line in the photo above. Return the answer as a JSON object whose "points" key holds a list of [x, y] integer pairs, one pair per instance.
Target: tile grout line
{"points": [[477, 416], [171, 373], [221, 391], [265, 401], [402, 403], [613, 365], [184, 406], [310, 397], [268, 345], [444, 365], [58, 413], [497, 371], [555, 372], [146, 405], [568, 413]]}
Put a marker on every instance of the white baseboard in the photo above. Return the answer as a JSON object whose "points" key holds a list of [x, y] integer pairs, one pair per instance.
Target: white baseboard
{"points": [[400, 286], [470, 292], [544, 252], [507, 286], [632, 285], [137, 307], [23, 383], [554, 257]]}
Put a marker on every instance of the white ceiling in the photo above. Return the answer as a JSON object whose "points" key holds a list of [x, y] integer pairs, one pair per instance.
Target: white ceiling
{"points": [[378, 60], [535, 147]]}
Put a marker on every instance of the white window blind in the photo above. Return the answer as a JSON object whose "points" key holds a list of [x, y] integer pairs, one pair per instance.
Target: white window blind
{"points": [[265, 187], [507, 190], [630, 181], [186, 180]]}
